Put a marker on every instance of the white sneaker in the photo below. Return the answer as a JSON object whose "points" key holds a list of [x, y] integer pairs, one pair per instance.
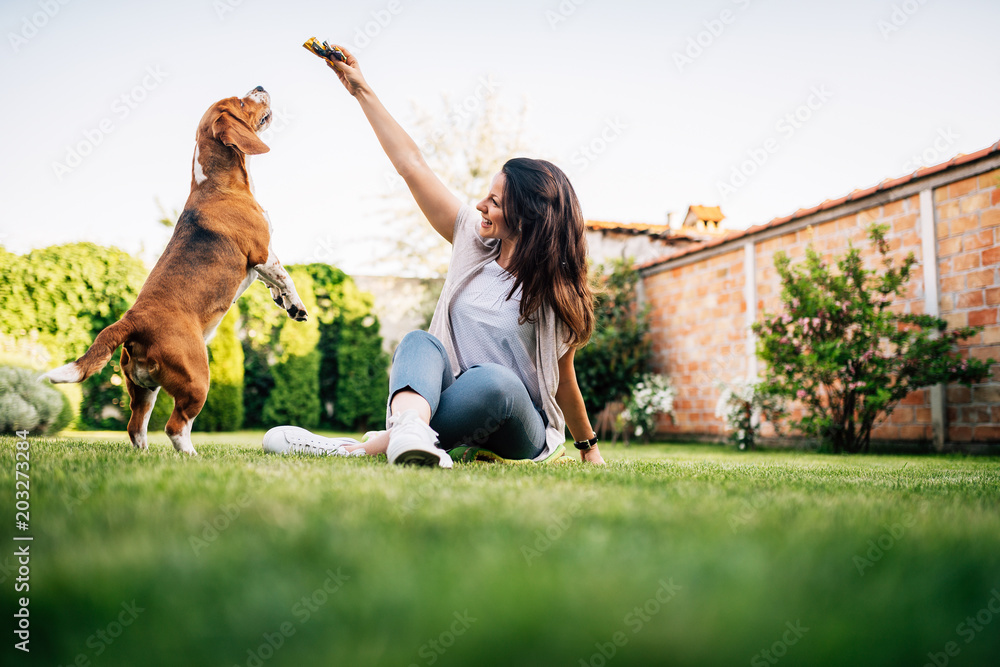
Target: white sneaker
{"points": [[412, 442], [295, 440]]}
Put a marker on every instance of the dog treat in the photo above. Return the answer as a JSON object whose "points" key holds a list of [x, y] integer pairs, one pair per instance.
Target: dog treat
{"points": [[324, 50]]}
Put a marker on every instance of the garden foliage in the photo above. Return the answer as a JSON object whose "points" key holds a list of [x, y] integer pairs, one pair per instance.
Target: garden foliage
{"points": [[743, 406], [223, 409], [844, 354], [353, 368], [652, 395], [330, 371], [64, 296], [354, 377], [619, 352], [295, 396], [29, 405]]}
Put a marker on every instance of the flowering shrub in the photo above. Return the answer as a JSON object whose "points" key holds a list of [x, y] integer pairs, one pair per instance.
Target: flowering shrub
{"points": [[741, 405], [652, 395], [841, 351]]}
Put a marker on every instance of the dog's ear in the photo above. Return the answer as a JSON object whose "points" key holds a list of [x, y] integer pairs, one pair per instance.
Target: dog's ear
{"points": [[235, 133]]}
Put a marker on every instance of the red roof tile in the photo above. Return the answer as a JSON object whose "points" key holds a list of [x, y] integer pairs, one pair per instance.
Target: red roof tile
{"points": [[626, 227]]}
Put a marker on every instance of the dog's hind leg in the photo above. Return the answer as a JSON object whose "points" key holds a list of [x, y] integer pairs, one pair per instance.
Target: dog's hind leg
{"points": [[183, 372], [142, 398], [187, 404], [141, 401]]}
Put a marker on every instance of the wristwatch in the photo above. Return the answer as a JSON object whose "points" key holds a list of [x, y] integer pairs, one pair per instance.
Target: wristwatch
{"points": [[586, 445]]}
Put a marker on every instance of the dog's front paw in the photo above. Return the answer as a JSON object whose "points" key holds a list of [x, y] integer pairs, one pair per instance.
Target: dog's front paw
{"points": [[277, 297], [298, 313]]}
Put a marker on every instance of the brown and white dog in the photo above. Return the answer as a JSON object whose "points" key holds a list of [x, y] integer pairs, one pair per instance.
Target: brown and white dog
{"points": [[220, 246]]}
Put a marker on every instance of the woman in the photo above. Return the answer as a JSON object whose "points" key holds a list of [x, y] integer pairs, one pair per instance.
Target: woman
{"points": [[496, 369]]}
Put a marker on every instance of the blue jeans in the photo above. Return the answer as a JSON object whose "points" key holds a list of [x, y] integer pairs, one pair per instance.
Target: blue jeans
{"points": [[486, 406]]}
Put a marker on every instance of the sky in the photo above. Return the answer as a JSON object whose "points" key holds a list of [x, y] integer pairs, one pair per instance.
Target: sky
{"points": [[760, 106]]}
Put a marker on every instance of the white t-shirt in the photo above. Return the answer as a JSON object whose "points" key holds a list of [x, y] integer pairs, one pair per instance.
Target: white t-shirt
{"points": [[485, 329], [470, 254]]}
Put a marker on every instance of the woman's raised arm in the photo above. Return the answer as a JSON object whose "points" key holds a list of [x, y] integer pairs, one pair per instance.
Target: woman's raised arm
{"points": [[439, 204]]}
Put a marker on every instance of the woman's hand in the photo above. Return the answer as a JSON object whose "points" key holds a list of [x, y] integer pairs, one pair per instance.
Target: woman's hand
{"points": [[592, 455], [349, 72]]}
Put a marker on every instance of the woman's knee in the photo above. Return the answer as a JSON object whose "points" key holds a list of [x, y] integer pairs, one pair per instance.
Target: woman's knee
{"points": [[495, 383], [417, 342]]}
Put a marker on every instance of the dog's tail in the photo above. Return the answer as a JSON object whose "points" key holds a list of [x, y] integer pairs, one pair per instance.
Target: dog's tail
{"points": [[95, 358]]}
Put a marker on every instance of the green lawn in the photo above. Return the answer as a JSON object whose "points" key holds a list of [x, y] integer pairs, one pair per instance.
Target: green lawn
{"points": [[674, 555]]}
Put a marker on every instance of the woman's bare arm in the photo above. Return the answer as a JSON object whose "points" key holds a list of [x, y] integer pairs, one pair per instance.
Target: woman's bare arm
{"points": [[570, 401], [439, 204]]}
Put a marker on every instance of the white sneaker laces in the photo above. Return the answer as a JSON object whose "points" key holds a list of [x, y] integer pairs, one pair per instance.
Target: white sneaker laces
{"points": [[316, 446]]}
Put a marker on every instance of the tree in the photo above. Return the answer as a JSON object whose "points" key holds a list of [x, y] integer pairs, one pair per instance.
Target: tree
{"points": [[843, 353], [619, 352]]}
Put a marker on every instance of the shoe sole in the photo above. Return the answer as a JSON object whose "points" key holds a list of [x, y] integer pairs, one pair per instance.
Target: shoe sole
{"points": [[418, 457]]}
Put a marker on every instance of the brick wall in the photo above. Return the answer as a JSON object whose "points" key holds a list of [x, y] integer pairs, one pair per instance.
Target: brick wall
{"points": [[697, 327], [968, 240], [699, 304]]}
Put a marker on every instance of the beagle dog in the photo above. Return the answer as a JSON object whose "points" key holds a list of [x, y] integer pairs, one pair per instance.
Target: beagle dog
{"points": [[220, 246]]}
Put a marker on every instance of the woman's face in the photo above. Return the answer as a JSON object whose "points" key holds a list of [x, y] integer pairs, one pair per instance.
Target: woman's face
{"points": [[494, 225]]}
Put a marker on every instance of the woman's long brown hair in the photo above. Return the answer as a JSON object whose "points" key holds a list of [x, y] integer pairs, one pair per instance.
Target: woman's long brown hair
{"points": [[550, 258]]}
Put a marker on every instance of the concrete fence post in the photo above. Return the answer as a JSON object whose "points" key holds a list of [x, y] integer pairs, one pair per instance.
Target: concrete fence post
{"points": [[750, 296], [932, 305]]}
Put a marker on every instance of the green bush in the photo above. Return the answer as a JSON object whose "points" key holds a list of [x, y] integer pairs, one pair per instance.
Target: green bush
{"points": [[619, 351], [63, 296], [261, 320], [65, 417], [223, 409], [161, 412], [844, 354], [295, 396], [363, 382], [29, 405], [354, 370], [59, 298], [334, 290]]}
